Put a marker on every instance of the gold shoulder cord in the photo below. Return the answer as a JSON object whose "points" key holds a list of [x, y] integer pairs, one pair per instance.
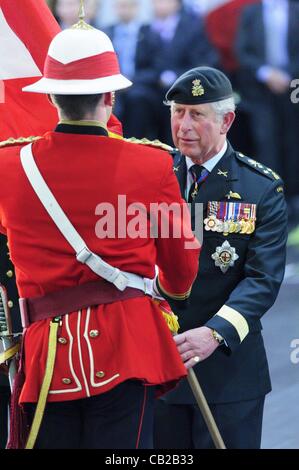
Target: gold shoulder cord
{"points": [[20, 140], [151, 143], [42, 399]]}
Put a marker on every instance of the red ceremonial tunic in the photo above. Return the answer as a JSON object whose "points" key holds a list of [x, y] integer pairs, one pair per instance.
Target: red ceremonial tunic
{"points": [[101, 346]]}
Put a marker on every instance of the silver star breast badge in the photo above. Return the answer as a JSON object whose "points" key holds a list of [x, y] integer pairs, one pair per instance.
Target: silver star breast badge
{"points": [[225, 256]]}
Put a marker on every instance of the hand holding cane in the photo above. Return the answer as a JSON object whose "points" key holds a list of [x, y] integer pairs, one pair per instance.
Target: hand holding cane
{"points": [[195, 386]]}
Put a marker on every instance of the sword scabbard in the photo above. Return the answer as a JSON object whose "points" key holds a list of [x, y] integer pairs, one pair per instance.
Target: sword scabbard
{"points": [[10, 348], [5, 320]]}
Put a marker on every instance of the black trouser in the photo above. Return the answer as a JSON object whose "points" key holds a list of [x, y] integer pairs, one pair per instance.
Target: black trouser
{"points": [[182, 426], [119, 419]]}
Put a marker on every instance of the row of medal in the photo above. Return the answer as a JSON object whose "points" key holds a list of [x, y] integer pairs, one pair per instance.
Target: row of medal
{"points": [[229, 226], [228, 217]]}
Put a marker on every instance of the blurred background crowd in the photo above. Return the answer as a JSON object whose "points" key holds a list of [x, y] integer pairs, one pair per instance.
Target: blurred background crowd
{"points": [[255, 42]]}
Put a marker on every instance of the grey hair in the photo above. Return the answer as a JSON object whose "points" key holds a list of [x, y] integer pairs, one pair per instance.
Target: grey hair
{"points": [[223, 107], [220, 107]]}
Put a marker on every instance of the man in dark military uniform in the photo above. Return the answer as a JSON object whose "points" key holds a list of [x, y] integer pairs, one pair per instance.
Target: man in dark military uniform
{"points": [[240, 271], [7, 280]]}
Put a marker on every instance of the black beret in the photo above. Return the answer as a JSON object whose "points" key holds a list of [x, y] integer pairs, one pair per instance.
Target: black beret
{"points": [[200, 85]]}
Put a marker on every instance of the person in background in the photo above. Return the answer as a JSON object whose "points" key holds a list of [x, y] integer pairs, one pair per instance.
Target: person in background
{"points": [[267, 47], [66, 11], [137, 47], [184, 44], [222, 24]]}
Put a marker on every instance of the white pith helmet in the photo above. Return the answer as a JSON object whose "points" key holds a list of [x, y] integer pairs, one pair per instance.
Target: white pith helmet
{"points": [[80, 61]]}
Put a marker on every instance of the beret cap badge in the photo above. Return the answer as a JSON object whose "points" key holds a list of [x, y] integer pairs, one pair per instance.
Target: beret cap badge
{"points": [[197, 89], [200, 85]]}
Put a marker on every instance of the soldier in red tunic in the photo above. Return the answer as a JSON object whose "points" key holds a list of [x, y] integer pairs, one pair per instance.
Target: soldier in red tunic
{"points": [[96, 352]]}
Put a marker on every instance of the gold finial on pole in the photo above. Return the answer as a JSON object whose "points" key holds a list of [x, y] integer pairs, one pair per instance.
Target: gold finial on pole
{"points": [[81, 23]]}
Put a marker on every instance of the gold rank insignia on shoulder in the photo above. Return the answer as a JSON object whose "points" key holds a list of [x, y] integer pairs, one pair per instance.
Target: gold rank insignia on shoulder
{"points": [[259, 167], [19, 141], [275, 175], [230, 217], [255, 163], [279, 189], [197, 89]]}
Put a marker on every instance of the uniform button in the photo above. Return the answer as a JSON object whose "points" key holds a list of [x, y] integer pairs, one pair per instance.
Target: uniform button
{"points": [[62, 340], [10, 304], [100, 374], [94, 333], [9, 273], [66, 381]]}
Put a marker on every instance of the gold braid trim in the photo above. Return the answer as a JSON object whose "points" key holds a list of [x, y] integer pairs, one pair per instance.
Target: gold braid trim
{"points": [[151, 143], [113, 135], [235, 318], [173, 295], [42, 399], [20, 140]]}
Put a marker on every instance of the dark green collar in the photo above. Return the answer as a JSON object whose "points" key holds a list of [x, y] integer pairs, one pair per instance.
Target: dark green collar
{"points": [[82, 127]]}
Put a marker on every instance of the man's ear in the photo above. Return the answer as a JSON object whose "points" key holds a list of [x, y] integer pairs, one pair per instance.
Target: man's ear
{"points": [[228, 119], [108, 101]]}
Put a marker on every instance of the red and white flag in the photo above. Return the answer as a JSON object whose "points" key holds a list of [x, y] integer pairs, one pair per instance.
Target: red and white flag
{"points": [[26, 30]]}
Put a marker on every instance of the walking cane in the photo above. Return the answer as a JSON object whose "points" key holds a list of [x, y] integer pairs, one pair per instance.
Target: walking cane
{"points": [[205, 410]]}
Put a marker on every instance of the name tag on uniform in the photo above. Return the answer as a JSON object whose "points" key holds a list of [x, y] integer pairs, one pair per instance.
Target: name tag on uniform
{"points": [[230, 217]]}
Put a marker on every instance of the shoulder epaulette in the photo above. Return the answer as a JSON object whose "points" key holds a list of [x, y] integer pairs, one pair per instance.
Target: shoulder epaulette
{"points": [[259, 167], [152, 143], [21, 140]]}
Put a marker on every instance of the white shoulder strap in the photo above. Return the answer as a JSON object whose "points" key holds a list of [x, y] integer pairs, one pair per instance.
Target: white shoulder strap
{"points": [[120, 279]]}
